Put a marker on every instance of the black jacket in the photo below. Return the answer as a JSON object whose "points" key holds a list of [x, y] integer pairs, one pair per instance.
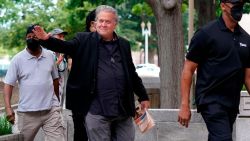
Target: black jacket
{"points": [[80, 90]]}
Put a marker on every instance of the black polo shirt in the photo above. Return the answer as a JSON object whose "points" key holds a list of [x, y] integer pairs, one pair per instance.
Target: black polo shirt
{"points": [[222, 56], [111, 84]]}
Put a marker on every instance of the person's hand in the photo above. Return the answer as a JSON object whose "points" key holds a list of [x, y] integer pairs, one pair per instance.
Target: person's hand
{"points": [[145, 105], [10, 115], [184, 116], [60, 59], [40, 33]]}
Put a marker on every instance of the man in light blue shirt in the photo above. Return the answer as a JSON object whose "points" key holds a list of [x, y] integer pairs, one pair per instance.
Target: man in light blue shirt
{"points": [[35, 71]]}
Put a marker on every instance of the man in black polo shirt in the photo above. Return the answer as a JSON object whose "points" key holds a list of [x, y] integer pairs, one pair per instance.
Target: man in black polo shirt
{"points": [[220, 51]]}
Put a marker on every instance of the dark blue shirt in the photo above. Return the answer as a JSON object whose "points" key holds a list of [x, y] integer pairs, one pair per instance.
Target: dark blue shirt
{"points": [[111, 82]]}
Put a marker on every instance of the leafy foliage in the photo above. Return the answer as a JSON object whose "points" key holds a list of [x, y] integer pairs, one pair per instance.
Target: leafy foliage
{"points": [[5, 126], [69, 15], [16, 15]]}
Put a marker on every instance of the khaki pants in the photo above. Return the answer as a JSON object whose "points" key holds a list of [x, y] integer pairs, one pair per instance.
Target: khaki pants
{"points": [[29, 124]]}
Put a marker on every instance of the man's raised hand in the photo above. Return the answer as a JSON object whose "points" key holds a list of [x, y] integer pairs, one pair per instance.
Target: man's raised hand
{"points": [[40, 33]]}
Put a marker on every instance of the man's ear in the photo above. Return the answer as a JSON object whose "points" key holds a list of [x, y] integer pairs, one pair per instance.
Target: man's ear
{"points": [[222, 6], [94, 24]]}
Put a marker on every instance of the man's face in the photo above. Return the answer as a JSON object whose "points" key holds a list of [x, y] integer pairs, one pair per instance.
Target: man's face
{"points": [[92, 26], [233, 10], [32, 42], [106, 24]]}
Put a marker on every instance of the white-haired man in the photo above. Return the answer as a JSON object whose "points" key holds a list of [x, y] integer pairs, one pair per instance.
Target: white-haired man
{"points": [[103, 80]]}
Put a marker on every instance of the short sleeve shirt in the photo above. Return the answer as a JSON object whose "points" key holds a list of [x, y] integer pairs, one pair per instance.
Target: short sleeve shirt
{"points": [[222, 56], [35, 79]]}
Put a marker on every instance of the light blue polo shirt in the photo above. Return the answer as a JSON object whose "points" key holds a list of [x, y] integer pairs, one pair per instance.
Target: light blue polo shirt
{"points": [[35, 80]]}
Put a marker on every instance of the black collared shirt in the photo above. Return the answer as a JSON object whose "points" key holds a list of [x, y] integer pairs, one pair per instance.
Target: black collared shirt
{"points": [[111, 84], [222, 56]]}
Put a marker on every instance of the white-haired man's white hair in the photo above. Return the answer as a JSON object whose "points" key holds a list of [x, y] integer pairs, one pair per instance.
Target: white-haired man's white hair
{"points": [[107, 8]]}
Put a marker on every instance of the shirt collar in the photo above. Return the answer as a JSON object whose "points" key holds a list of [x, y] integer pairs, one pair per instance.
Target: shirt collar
{"points": [[115, 37], [223, 27], [30, 56]]}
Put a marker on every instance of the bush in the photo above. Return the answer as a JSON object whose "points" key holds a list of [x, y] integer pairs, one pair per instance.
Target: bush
{"points": [[244, 88], [5, 126]]}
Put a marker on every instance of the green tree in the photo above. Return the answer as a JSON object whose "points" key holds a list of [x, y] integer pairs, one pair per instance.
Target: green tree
{"points": [[17, 15], [66, 14]]}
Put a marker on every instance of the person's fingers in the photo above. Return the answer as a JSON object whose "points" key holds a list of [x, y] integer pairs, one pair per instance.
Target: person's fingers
{"points": [[183, 122], [145, 104], [142, 106], [11, 118], [37, 28], [40, 33], [180, 120]]}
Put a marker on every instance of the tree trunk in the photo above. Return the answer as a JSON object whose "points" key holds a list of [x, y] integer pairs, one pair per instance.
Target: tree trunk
{"points": [[171, 49], [206, 10], [151, 56]]}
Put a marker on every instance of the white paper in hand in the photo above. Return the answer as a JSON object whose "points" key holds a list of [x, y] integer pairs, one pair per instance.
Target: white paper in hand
{"points": [[144, 121]]}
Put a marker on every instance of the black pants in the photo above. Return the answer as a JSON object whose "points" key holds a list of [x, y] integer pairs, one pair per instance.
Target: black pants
{"points": [[219, 120], [80, 133]]}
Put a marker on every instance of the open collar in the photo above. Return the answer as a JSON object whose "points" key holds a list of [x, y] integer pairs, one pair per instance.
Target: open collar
{"points": [[30, 56], [223, 27]]}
